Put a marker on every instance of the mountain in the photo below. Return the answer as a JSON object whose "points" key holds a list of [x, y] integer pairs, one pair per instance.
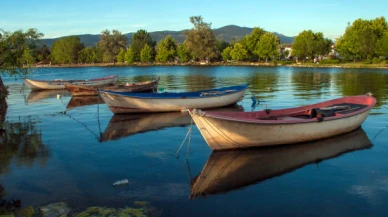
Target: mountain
{"points": [[226, 33]]}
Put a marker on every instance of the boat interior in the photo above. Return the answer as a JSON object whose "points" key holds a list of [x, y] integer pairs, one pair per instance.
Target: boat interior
{"points": [[329, 111]]}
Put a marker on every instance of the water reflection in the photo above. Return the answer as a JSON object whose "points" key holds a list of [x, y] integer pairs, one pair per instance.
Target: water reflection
{"points": [[124, 125], [229, 170], [37, 96], [351, 83], [77, 101], [121, 126], [21, 144], [310, 84]]}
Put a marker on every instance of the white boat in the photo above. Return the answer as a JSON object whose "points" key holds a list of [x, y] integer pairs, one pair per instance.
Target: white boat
{"points": [[230, 130], [60, 84], [167, 102]]}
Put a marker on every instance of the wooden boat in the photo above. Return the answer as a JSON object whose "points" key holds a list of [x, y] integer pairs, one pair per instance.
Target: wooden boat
{"points": [[77, 101], [38, 95], [234, 169], [60, 84], [124, 125], [88, 90], [168, 102], [230, 130]]}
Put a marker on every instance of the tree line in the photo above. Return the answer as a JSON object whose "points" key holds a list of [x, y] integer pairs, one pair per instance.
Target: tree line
{"points": [[363, 40]]}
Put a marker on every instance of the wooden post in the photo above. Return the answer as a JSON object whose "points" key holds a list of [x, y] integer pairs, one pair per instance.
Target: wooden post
{"points": [[3, 102]]}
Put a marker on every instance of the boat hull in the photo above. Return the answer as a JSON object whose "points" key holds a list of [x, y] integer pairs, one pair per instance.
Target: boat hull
{"points": [[84, 90], [60, 84], [123, 104], [229, 133]]}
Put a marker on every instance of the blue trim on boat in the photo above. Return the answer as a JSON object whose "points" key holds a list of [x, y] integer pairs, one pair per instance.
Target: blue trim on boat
{"points": [[198, 94]]}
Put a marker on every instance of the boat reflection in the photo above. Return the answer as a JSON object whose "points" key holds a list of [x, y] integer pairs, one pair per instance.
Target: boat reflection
{"points": [[38, 95], [229, 170], [124, 125], [77, 101]]}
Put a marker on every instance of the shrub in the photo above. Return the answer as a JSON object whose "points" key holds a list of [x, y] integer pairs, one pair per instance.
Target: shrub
{"points": [[329, 61]]}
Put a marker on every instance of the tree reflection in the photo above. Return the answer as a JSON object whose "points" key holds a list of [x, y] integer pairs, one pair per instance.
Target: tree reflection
{"points": [[21, 142], [310, 85], [350, 83]]}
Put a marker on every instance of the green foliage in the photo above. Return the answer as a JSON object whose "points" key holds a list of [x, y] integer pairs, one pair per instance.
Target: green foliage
{"points": [[226, 53], [382, 45], [303, 45], [130, 55], [121, 55], [251, 41], [286, 53], [65, 50], [329, 61], [89, 55], [377, 60], [183, 53], [139, 40], [166, 50], [267, 46], [200, 40], [221, 46], [310, 44], [16, 51], [361, 39], [110, 44], [239, 52], [146, 54], [42, 53]]}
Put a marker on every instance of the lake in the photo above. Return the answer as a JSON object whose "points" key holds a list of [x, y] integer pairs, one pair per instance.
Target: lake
{"points": [[62, 149]]}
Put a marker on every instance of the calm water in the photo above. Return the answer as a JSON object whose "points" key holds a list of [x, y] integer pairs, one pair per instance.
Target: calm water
{"points": [[75, 156]]}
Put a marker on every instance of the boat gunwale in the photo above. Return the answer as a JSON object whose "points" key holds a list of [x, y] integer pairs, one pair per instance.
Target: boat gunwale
{"points": [[220, 116], [71, 81], [178, 95]]}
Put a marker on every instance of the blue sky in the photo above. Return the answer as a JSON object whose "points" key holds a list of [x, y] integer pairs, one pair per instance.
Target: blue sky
{"points": [[61, 18]]}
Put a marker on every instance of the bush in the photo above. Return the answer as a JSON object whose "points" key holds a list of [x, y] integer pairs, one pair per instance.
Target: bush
{"points": [[329, 61], [367, 61], [377, 60]]}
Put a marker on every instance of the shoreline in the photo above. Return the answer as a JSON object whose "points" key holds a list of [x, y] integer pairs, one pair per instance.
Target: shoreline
{"points": [[296, 65]]}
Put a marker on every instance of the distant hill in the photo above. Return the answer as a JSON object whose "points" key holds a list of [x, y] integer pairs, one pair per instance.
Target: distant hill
{"points": [[226, 33]]}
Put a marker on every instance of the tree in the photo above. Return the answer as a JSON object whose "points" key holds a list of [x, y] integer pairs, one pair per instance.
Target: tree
{"points": [[303, 45], [139, 40], [121, 56], [239, 52], [16, 49], [15, 57], [360, 38], [42, 53], [130, 55], [65, 50], [221, 46], [90, 55], [322, 46], [267, 46], [146, 54], [166, 50], [251, 41], [226, 53], [200, 40], [183, 53], [382, 45], [111, 43]]}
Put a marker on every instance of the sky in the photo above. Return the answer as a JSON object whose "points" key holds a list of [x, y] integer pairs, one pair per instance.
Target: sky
{"points": [[56, 18]]}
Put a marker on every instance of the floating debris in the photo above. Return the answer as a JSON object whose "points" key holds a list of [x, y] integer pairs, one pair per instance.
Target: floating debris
{"points": [[121, 182]]}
